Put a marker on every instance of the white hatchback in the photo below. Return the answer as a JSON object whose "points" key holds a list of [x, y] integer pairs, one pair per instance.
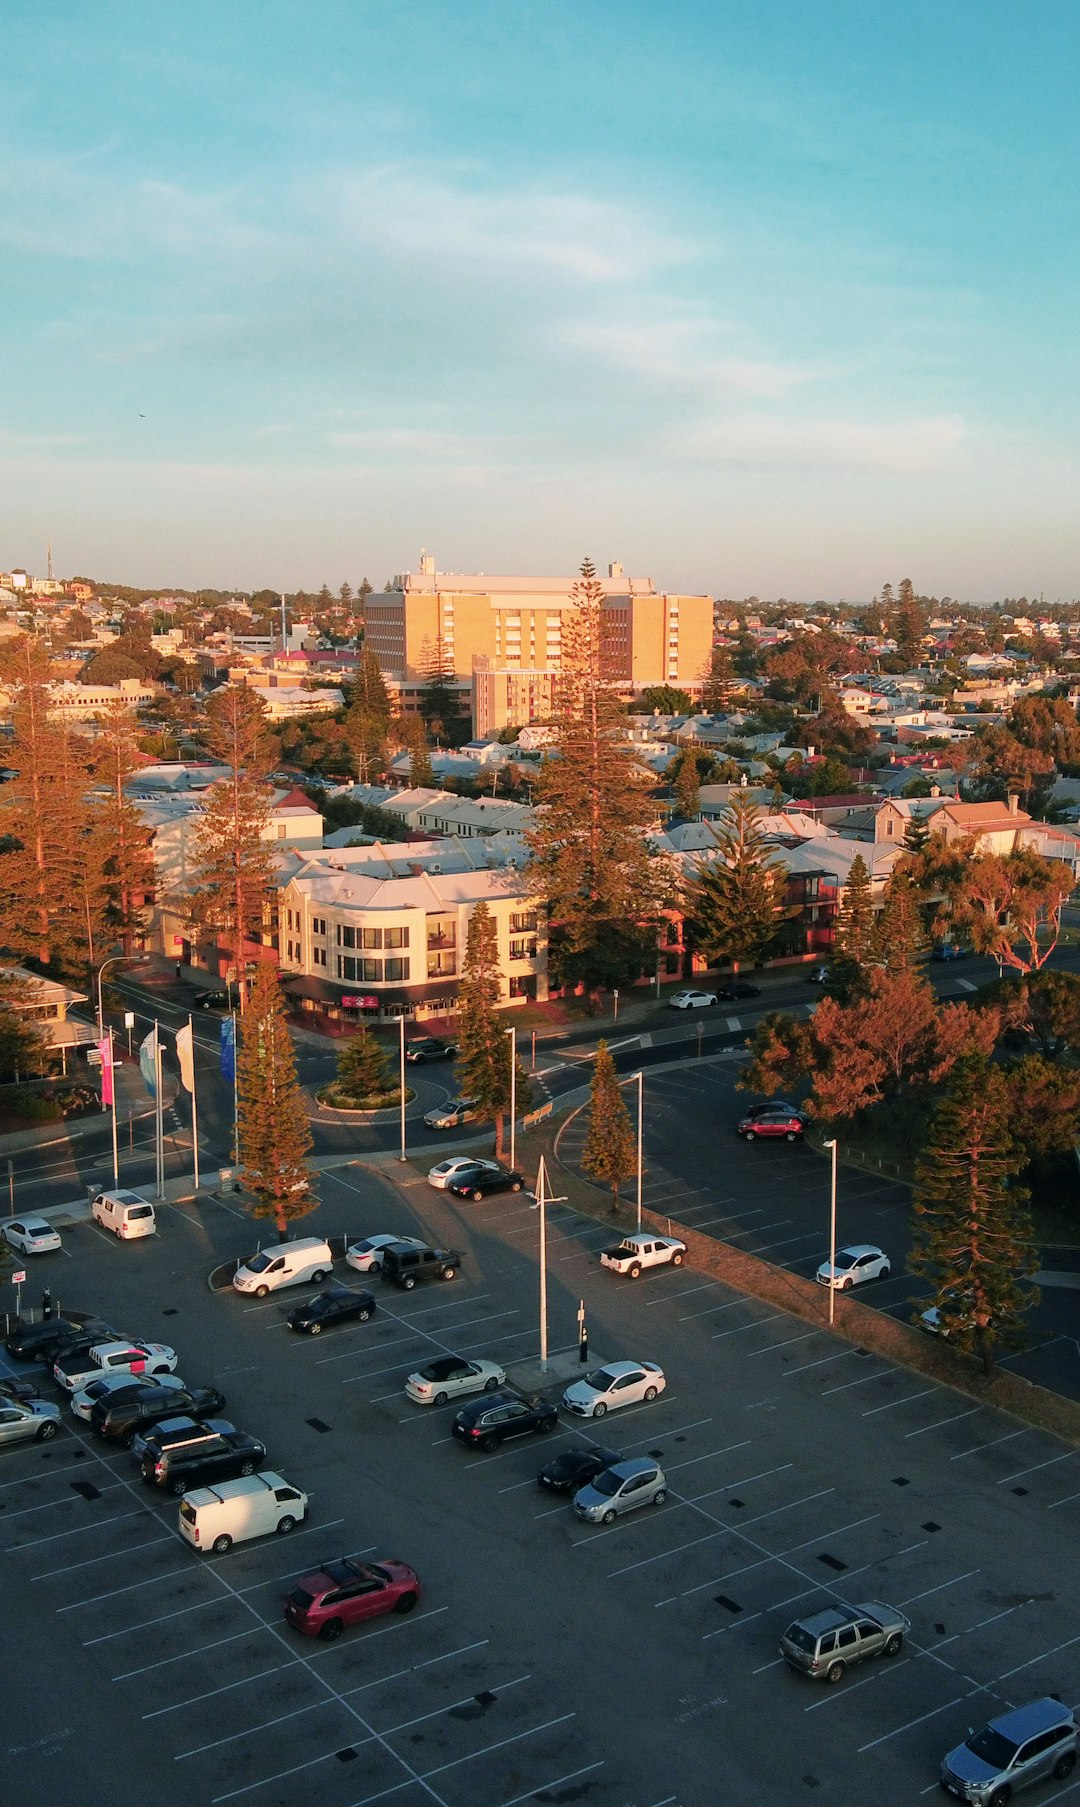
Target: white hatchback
{"points": [[368, 1252], [853, 1266], [444, 1173], [617, 1384]]}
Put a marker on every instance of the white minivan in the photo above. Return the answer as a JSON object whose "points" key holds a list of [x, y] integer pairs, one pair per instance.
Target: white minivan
{"points": [[126, 1214], [214, 1518], [284, 1264]]}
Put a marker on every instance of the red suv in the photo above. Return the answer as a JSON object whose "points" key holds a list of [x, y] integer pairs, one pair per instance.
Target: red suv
{"points": [[345, 1591], [782, 1122]]}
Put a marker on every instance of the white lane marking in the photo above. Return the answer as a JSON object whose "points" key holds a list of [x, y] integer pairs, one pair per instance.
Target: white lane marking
{"points": [[99, 1524], [840, 1355], [906, 1400], [1041, 1658], [182, 1656], [770, 1318], [111, 1556], [1050, 1462], [546, 1790], [785, 1343], [934, 1711], [532, 1732], [170, 1575], [941, 1585], [939, 1422]]}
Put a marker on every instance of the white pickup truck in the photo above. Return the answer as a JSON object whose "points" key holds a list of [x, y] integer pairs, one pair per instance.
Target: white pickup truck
{"points": [[75, 1371], [635, 1253]]}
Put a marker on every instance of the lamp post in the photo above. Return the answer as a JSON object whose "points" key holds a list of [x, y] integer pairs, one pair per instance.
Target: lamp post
{"points": [[542, 1202], [401, 1071], [512, 1033], [139, 960], [831, 1144]]}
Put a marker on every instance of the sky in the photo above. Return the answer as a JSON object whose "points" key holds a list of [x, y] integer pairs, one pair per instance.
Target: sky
{"points": [[755, 296]]}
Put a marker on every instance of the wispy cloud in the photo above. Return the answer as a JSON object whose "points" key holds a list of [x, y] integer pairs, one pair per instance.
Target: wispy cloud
{"points": [[684, 355], [900, 445]]}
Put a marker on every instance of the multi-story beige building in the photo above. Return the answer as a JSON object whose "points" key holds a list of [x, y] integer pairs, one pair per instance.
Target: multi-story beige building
{"points": [[508, 631]]}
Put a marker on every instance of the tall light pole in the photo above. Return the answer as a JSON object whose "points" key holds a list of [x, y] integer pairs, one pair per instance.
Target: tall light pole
{"points": [[640, 1077], [541, 1205], [831, 1144], [512, 1033], [138, 960], [401, 1069]]}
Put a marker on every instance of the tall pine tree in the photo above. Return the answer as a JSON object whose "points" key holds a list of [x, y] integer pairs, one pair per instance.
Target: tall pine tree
{"points": [[899, 937], [973, 1229], [610, 1151], [129, 863], [855, 918], [733, 902], [483, 1065], [233, 858], [275, 1136]]}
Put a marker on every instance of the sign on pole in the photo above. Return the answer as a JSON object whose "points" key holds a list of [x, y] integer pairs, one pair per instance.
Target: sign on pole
{"points": [[18, 1278]]}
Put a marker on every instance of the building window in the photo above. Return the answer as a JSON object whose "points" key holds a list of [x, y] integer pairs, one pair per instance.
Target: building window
{"points": [[346, 937], [370, 938], [441, 966], [524, 987], [318, 926], [523, 922], [318, 956], [523, 948], [395, 938], [396, 970], [346, 967]]}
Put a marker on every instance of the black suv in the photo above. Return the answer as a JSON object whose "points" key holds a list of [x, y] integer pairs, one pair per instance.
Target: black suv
{"points": [[43, 1342], [171, 1433], [118, 1420], [337, 1305], [201, 1464], [429, 1047], [405, 1264], [487, 1422]]}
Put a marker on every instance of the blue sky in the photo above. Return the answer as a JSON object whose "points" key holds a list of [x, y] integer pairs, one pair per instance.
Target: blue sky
{"points": [[758, 298]]}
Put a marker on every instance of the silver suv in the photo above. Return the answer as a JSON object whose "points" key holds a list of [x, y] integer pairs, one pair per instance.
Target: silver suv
{"points": [[1022, 1747], [824, 1644], [618, 1489]]}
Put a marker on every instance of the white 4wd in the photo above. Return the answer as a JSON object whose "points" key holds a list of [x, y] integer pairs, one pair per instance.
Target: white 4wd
{"points": [[77, 1371], [635, 1253]]}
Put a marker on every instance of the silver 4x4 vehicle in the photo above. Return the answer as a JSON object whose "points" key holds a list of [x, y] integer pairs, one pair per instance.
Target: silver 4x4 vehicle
{"points": [[1024, 1746], [824, 1644]]}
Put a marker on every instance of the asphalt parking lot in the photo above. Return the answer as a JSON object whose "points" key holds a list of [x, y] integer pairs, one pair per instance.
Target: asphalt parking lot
{"points": [[626, 1666]]}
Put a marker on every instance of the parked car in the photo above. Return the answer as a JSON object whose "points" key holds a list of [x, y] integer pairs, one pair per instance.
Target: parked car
{"points": [[407, 1263], [948, 950], [1011, 1753], [214, 1518], [429, 1047], [216, 1000], [854, 1266], [481, 1182], [444, 1172], [74, 1369], [30, 1420], [117, 1387], [449, 1375], [337, 1305], [368, 1252], [779, 1106], [346, 1592], [117, 1420], [618, 1489], [42, 1342], [617, 1384], [31, 1235], [692, 1000], [818, 975], [574, 1467], [171, 1433], [450, 1116], [294, 1263], [826, 1643], [202, 1464], [490, 1421], [18, 1386], [739, 988], [786, 1123], [635, 1253]]}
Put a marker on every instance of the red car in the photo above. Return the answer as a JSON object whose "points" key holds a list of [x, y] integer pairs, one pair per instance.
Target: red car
{"points": [[346, 1591], [782, 1122]]}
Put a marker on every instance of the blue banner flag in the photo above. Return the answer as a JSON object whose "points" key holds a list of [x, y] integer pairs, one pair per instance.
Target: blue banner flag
{"points": [[228, 1049], [148, 1062]]}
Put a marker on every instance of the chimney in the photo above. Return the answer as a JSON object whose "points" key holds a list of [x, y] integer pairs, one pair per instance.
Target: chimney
{"points": [[1014, 803], [615, 569]]}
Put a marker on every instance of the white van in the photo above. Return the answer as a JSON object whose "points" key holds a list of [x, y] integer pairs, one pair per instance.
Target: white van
{"points": [[214, 1518], [127, 1214], [284, 1264]]}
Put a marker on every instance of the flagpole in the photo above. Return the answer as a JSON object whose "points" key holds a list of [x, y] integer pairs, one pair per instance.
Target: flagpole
{"points": [[159, 1118], [194, 1107], [112, 1083]]}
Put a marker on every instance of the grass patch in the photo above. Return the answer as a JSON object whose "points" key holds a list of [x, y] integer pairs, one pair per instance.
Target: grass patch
{"points": [[338, 1098]]}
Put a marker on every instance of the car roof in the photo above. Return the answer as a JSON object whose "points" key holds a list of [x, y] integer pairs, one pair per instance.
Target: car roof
{"points": [[617, 1368], [1036, 1716], [859, 1248], [830, 1618], [627, 1466], [31, 1220]]}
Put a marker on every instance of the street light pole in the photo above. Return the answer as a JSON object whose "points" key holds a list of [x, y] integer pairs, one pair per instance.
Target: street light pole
{"points": [[640, 1077], [831, 1144], [512, 1033], [541, 1205], [401, 1068]]}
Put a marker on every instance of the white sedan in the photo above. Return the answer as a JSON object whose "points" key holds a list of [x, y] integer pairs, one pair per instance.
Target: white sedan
{"points": [[863, 1261], [448, 1375], [444, 1173], [692, 1000], [617, 1384], [33, 1235], [368, 1252]]}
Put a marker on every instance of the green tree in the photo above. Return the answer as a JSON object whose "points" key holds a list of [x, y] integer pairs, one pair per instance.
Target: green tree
{"points": [[733, 902], [590, 858], [718, 681], [24, 1047], [664, 699], [483, 1064], [853, 934], [916, 834], [899, 936], [367, 721], [363, 1072], [440, 699], [908, 623], [973, 1230], [128, 870], [685, 775], [1011, 905], [421, 771], [610, 1151], [233, 859], [275, 1136]]}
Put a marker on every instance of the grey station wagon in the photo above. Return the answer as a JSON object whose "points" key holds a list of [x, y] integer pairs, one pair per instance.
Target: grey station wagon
{"points": [[1025, 1746], [827, 1642]]}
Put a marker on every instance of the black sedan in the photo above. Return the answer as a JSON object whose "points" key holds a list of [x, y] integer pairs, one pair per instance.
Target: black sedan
{"points": [[17, 1386], [43, 1342], [490, 1420], [429, 1047], [728, 994], [118, 1420], [575, 1468], [337, 1305], [479, 1182]]}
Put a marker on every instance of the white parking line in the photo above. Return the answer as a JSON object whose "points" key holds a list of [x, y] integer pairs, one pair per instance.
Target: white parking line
{"points": [[906, 1400], [1010, 1437], [674, 1467], [785, 1343], [684, 1292], [839, 1356], [170, 1575], [745, 1480], [721, 1529], [687, 1317], [1041, 1658], [110, 1556], [939, 1422], [65, 1499], [861, 1382], [99, 1524], [545, 1791], [470, 1757], [770, 1318], [500, 1688], [177, 1706], [182, 1656], [941, 1585], [760, 1561], [348, 1355], [934, 1711], [1050, 1462]]}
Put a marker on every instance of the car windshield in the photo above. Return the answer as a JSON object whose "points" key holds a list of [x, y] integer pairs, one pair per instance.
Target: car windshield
{"points": [[800, 1637], [607, 1483], [601, 1380], [259, 1263], [297, 1596], [992, 1748]]}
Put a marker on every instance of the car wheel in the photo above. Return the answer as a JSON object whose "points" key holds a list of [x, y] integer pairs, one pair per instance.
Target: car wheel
{"points": [[318, 1276], [331, 1630], [659, 1498], [314, 1329], [546, 1425], [45, 1431], [846, 1285], [490, 1385], [894, 1645], [477, 1198], [285, 1525], [261, 1292], [488, 1444], [885, 1272], [749, 1135], [405, 1603], [834, 1672], [221, 1544], [247, 1468], [1000, 1796], [599, 1409], [363, 1316], [516, 1187], [609, 1518], [448, 1273], [676, 1259], [1064, 1766], [791, 1135], [408, 1283], [439, 1399], [635, 1271], [650, 1394], [178, 1487]]}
